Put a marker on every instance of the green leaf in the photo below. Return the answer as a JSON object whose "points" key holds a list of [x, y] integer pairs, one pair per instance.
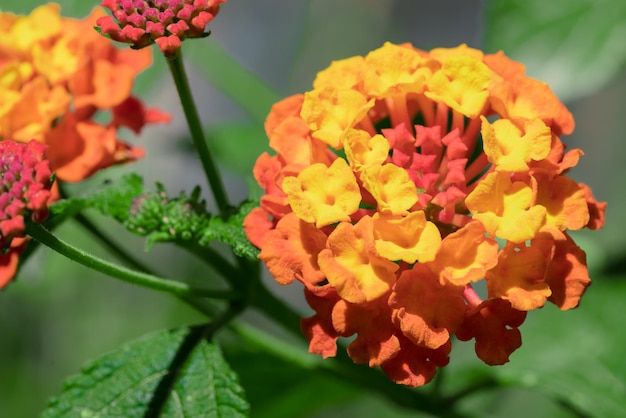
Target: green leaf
{"points": [[137, 377], [230, 231], [576, 46], [231, 78], [114, 199]]}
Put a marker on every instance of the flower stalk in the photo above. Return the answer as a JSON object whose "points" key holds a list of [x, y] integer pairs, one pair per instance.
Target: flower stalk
{"points": [[177, 69], [41, 234]]}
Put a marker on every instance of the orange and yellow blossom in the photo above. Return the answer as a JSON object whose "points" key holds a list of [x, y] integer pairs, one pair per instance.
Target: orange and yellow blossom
{"points": [[58, 77], [391, 182]]}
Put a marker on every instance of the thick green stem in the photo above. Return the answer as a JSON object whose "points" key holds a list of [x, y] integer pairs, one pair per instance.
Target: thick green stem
{"points": [[175, 63], [45, 237]]}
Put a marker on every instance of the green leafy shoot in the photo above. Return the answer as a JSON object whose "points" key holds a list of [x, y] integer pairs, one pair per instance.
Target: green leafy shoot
{"points": [[163, 219], [230, 231], [115, 199]]}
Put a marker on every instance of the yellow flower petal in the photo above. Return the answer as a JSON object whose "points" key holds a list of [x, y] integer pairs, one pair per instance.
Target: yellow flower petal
{"points": [[505, 208], [352, 266], [396, 70], [511, 149], [330, 113], [409, 238], [363, 150], [392, 188], [323, 195], [461, 83], [342, 75]]}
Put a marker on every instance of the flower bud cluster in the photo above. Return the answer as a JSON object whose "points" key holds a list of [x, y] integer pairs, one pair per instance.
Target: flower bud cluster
{"points": [[24, 190], [166, 22]]}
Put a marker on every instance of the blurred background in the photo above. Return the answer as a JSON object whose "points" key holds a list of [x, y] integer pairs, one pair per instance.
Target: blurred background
{"points": [[57, 315]]}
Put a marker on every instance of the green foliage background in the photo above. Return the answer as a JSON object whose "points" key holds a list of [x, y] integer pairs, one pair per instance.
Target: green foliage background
{"points": [[58, 315]]}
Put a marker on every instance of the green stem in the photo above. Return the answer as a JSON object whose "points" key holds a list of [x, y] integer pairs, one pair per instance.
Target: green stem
{"points": [[198, 304], [45, 237], [276, 309], [214, 259], [121, 254], [175, 63]]}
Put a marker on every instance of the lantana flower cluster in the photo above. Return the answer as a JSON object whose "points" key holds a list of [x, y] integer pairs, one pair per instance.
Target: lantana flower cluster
{"points": [[164, 22], [58, 77], [405, 178], [24, 191]]}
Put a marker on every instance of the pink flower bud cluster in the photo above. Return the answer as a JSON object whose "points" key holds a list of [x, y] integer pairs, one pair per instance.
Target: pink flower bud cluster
{"points": [[25, 187], [166, 22]]}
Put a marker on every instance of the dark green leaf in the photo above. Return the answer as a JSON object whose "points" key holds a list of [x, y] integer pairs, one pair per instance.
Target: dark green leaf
{"points": [[230, 231], [576, 46], [123, 383], [113, 199]]}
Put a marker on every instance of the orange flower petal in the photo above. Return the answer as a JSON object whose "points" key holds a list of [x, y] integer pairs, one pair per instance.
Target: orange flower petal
{"points": [[256, 224], [375, 342], [565, 203], [415, 366], [318, 329], [520, 275], [286, 108], [290, 251], [10, 260], [527, 98], [596, 209], [465, 255], [417, 310], [504, 66], [494, 324], [567, 275]]}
